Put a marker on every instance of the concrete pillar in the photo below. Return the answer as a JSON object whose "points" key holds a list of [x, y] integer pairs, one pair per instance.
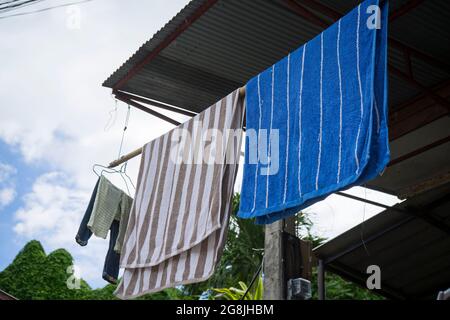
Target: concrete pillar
{"points": [[274, 280]]}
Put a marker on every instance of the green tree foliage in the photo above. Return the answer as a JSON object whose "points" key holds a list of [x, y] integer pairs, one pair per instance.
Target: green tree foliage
{"points": [[35, 276], [339, 289], [243, 293]]}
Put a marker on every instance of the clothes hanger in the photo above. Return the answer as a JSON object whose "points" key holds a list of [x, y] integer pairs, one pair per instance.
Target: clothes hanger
{"points": [[104, 169], [123, 169], [122, 172]]}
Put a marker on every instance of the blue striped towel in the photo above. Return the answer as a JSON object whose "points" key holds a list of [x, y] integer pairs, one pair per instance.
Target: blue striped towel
{"points": [[320, 118]]}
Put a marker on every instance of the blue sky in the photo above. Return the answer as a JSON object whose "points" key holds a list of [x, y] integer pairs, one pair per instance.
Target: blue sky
{"points": [[53, 114], [20, 180]]}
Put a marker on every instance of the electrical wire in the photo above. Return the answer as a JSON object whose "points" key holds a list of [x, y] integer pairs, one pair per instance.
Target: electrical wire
{"points": [[15, 3], [255, 276], [44, 9], [7, 2], [16, 6]]}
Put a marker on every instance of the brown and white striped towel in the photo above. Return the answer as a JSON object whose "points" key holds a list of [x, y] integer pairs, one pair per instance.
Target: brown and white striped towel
{"points": [[177, 225]]}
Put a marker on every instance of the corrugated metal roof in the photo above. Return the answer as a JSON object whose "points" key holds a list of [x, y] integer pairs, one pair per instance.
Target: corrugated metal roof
{"points": [[151, 44], [422, 167], [412, 253], [6, 296], [237, 39]]}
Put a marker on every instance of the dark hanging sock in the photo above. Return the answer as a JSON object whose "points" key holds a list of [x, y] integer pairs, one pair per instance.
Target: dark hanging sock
{"points": [[84, 234], [112, 260]]}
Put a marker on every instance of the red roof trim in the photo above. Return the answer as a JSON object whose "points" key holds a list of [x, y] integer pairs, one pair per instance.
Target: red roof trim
{"points": [[179, 30]]}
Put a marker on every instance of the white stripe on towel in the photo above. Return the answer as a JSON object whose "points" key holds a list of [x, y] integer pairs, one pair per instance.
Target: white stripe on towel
{"points": [[145, 247], [340, 100], [269, 162], [360, 88], [321, 113], [300, 123], [184, 196], [258, 146], [288, 126], [204, 205]]}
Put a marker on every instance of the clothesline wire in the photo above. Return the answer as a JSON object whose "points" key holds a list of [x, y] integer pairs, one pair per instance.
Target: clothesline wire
{"points": [[112, 116], [127, 120], [363, 222], [123, 168], [256, 275]]}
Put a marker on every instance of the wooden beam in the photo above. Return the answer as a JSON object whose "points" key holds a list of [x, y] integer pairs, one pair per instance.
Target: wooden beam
{"points": [[419, 151], [407, 7], [321, 280], [155, 103], [400, 74], [146, 109], [306, 13], [125, 158], [425, 185]]}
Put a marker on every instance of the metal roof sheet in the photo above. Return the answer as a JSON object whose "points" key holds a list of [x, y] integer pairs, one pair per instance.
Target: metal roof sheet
{"points": [[237, 39], [412, 253], [420, 168]]}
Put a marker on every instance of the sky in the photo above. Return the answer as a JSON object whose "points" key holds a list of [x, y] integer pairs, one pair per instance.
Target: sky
{"points": [[57, 121]]}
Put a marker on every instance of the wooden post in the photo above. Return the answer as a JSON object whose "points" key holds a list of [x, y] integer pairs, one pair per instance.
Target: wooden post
{"points": [[321, 280], [306, 255]]}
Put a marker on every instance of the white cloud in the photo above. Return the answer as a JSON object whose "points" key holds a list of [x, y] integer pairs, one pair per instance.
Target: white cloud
{"points": [[7, 196], [48, 207], [6, 172], [54, 108], [7, 184]]}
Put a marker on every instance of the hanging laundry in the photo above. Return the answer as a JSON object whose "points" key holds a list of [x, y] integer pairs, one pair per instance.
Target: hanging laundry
{"points": [[125, 208], [112, 260], [107, 212], [106, 208], [179, 218], [320, 116], [84, 233]]}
